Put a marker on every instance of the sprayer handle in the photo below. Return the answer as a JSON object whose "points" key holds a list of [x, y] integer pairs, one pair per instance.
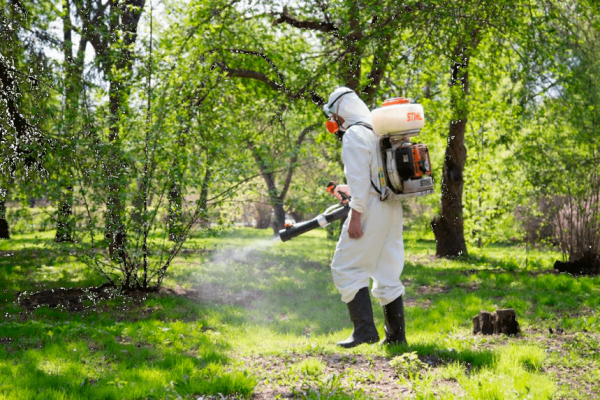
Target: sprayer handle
{"points": [[331, 186]]}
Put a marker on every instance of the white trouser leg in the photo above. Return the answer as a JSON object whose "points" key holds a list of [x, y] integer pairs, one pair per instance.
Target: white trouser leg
{"points": [[356, 260], [386, 277]]}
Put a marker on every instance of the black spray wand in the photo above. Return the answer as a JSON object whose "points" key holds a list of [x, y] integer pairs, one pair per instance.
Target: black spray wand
{"points": [[321, 220]]}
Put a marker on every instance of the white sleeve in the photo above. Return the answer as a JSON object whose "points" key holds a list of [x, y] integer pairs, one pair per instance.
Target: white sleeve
{"points": [[356, 156]]}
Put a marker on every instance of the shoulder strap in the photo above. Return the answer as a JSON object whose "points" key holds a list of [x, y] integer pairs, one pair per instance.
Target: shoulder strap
{"points": [[368, 126], [375, 187]]}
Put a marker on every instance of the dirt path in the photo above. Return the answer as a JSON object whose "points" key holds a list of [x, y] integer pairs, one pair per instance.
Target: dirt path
{"points": [[296, 376]]}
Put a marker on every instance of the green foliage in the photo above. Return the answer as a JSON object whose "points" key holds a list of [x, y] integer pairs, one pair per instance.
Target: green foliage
{"points": [[419, 382], [275, 314], [225, 93], [529, 358], [310, 367], [150, 358], [26, 92], [561, 135], [452, 371], [408, 364], [200, 113]]}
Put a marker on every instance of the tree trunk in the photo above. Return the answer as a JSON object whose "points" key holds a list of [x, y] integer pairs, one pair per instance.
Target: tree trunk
{"points": [[4, 232], [64, 226], [174, 223], [124, 17], [175, 195], [483, 323], [448, 227], [276, 199], [204, 190], [263, 215], [297, 215], [279, 221], [73, 85], [115, 229], [272, 193]]}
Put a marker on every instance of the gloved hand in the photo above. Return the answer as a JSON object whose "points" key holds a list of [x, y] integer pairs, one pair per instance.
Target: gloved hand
{"points": [[342, 188]]}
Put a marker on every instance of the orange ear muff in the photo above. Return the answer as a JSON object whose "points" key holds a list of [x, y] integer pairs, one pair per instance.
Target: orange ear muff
{"points": [[332, 126]]}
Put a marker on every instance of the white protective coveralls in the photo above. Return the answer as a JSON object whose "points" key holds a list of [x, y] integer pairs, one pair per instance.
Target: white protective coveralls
{"points": [[379, 253]]}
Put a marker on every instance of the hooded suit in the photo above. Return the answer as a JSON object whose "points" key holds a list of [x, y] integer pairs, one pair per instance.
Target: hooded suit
{"points": [[379, 253]]}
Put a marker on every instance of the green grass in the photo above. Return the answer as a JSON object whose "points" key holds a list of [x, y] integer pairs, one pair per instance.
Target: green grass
{"points": [[254, 299]]}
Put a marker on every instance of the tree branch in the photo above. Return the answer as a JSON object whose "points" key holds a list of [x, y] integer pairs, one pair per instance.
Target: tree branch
{"points": [[407, 9], [259, 76], [288, 178], [265, 171], [315, 98], [245, 73], [381, 59], [323, 8], [264, 57], [92, 26], [31, 78], [323, 26]]}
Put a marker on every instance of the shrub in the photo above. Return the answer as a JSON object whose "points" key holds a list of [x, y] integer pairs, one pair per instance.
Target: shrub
{"points": [[536, 220], [577, 223], [407, 364], [528, 357], [570, 221], [310, 367]]}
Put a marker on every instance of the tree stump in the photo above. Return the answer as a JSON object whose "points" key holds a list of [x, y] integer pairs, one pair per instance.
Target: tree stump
{"points": [[587, 265], [506, 322], [4, 228], [484, 323], [502, 321]]}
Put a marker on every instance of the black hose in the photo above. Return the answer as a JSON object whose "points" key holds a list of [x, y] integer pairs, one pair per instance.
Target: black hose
{"points": [[295, 230]]}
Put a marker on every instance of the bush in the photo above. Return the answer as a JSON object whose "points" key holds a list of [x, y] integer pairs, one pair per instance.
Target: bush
{"points": [[536, 221], [310, 367], [407, 364], [577, 223], [571, 222]]}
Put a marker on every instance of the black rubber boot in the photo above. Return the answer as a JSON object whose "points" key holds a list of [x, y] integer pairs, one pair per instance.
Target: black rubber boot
{"points": [[361, 315], [395, 330]]}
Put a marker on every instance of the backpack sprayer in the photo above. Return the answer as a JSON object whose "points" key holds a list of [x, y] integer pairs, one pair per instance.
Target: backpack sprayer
{"points": [[321, 220], [404, 167]]}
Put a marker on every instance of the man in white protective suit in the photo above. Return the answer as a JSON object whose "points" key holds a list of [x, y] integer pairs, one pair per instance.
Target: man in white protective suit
{"points": [[370, 245]]}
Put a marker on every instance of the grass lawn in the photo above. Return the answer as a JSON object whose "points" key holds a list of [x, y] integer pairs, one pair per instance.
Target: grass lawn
{"points": [[243, 315]]}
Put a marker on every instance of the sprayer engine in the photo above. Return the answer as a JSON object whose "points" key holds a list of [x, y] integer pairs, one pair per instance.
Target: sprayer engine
{"points": [[408, 165]]}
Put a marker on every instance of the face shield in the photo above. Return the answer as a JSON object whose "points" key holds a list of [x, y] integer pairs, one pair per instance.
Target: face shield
{"points": [[332, 124]]}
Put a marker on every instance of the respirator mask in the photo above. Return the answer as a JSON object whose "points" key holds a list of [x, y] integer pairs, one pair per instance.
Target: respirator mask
{"points": [[332, 124]]}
